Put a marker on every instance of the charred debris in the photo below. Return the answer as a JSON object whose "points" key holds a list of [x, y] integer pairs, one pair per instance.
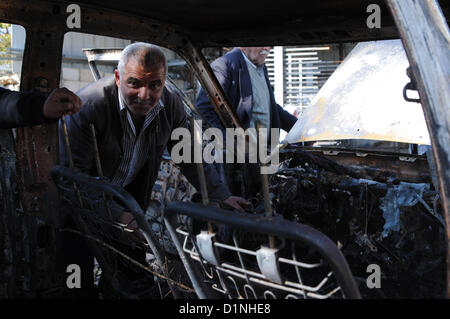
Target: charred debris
{"points": [[385, 216]]}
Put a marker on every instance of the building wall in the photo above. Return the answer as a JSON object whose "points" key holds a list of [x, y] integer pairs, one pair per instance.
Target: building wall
{"points": [[76, 75], [75, 71], [297, 73]]}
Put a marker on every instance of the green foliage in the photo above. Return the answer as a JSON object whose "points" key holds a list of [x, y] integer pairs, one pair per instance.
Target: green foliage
{"points": [[5, 42]]}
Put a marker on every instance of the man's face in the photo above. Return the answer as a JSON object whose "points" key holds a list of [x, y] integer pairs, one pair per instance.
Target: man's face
{"points": [[141, 86], [256, 54]]}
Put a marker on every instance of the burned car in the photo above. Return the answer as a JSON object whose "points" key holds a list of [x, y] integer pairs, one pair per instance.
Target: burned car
{"points": [[325, 220]]}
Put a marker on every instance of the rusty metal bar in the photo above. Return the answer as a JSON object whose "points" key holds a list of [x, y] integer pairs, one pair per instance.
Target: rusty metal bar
{"points": [[94, 70], [69, 153], [265, 190], [212, 87], [37, 153], [99, 166], [97, 154], [430, 33], [66, 141], [200, 171]]}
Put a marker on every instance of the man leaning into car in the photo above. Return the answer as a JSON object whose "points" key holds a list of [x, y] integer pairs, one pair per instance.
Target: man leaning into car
{"points": [[133, 115]]}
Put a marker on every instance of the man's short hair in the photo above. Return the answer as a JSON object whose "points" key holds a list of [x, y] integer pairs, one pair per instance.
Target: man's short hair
{"points": [[144, 53]]}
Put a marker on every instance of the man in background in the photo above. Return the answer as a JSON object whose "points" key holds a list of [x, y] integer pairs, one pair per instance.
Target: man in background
{"points": [[242, 73]]}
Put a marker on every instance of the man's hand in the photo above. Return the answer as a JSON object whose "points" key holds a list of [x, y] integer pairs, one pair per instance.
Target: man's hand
{"points": [[61, 101], [129, 223], [236, 202]]}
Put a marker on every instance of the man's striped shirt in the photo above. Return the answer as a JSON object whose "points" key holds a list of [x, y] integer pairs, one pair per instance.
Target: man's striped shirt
{"points": [[135, 148]]}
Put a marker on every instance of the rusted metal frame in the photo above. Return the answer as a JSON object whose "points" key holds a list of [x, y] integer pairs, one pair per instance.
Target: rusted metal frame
{"points": [[307, 37], [196, 60], [95, 20], [378, 168], [265, 189], [8, 214], [426, 38], [196, 134], [381, 169], [306, 30], [112, 23], [99, 167], [353, 151], [108, 22], [37, 151], [37, 147]]}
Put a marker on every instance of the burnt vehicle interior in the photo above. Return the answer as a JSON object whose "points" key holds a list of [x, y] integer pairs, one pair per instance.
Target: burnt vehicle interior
{"points": [[331, 210]]}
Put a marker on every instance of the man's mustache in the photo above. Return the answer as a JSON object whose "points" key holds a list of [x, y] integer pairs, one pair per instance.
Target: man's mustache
{"points": [[142, 102]]}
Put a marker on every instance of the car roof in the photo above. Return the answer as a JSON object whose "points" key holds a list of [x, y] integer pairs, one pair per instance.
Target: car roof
{"points": [[232, 23]]}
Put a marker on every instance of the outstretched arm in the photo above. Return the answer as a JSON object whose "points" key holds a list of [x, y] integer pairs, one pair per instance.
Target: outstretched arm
{"points": [[27, 109]]}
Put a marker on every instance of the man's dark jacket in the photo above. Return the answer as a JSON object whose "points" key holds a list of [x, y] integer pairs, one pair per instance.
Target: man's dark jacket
{"points": [[232, 73], [21, 109], [101, 107]]}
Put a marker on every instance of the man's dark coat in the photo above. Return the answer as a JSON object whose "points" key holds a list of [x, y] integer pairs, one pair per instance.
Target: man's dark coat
{"points": [[21, 109], [232, 72]]}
